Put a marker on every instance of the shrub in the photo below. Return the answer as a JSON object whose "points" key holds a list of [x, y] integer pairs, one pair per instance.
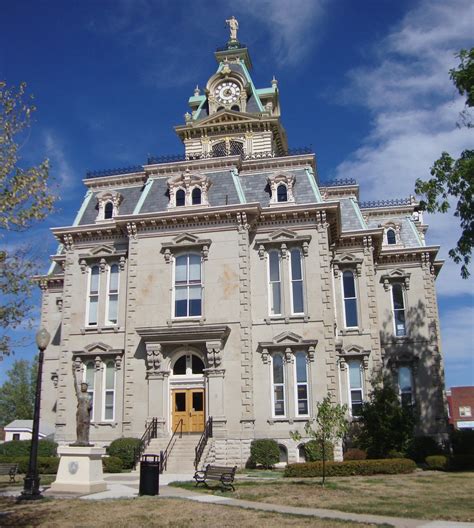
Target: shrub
{"points": [[462, 442], [264, 453], [314, 451], [439, 462], [355, 454], [18, 448], [46, 465], [422, 447], [352, 467], [393, 453], [461, 463], [112, 464], [125, 449]]}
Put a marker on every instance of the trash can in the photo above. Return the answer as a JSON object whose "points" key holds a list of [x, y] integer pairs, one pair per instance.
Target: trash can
{"points": [[149, 475]]}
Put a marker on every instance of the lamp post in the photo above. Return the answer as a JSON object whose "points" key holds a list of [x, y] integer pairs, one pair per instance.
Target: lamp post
{"points": [[32, 480]]}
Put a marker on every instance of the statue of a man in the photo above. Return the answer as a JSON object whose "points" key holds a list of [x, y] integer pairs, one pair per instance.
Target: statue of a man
{"points": [[233, 26], [83, 413]]}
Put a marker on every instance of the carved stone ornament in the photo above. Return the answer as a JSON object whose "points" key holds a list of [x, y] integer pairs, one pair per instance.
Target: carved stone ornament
{"points": [[395, 227], [346, 261], [284, 240], [188, 181], [54, 379], [104, 197], [118, 362], [186, 242], [78, 364], [282, 178], [353, 352], [83, 265], [154, 357], [288, 343], [214, 353], [59, 304], [396, 275]]}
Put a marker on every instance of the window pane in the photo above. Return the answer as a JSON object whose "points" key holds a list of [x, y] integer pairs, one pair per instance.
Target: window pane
{"points": [[302, 399], [274, 266], [404, 379], [197, 365], [110, 375], [282, 193], [277, 369], [296, 264], [400, 322], [114, 276], [180, 198], [276, 298], [180, 401], [90, 374], [350, 306], [196, 196], [197, 401], [279, 401], [355, 375], [180, 269], [113, 304], [109, 405], [301, 375], [391, 239], [195, 300], [94, 279], [194, 268], [298, 297], [181, 302], [93, 310], [180, 367], [349, 284], [108, 210], [397, 294]]}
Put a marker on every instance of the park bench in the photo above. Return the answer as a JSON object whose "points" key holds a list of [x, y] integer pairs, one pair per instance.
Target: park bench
{"points": [[225, 475], [9, 468]]}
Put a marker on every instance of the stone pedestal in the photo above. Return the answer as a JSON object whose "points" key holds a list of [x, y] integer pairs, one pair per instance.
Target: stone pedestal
{"points": [[80, 470]]}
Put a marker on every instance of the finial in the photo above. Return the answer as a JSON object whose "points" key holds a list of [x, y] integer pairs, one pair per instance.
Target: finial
{"points": [[274, 82], [233, 27], [197, 91], [187, 117]]}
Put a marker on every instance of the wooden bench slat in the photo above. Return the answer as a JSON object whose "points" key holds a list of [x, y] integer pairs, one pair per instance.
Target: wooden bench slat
{"points": [[223, 474]]}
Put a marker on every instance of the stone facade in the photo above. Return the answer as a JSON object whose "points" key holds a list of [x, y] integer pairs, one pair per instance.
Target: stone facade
{"points": [[233, 284]]}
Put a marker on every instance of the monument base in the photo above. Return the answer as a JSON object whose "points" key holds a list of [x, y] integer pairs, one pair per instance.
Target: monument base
{"points": [[80, 470]]}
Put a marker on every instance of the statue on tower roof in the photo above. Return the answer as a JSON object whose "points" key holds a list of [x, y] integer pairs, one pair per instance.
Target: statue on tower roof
{"points": [[233, 27]]}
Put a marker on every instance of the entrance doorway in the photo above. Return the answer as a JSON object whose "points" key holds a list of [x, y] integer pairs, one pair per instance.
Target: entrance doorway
{"points": [[188, 405]]}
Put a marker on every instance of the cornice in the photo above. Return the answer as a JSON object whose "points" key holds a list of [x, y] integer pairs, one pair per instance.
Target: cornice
{"points": [[278, 162], [117, 180], [176, 167]]}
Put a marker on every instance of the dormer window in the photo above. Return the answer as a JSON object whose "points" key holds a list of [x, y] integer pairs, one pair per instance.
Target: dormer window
{"points": [[236, 108], [108, 210], [282, 193], [391, 237], [188, 189]]}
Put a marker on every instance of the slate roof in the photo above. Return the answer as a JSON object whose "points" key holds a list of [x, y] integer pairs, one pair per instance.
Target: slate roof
{"points": [[351, 220], [45, 429], [408, 231]]}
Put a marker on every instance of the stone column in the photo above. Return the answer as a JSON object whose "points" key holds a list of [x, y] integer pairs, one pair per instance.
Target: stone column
{"points": [[158, 390], [215, 388]]}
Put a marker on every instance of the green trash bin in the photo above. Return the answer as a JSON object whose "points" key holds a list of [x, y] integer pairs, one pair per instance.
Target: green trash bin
{"points": [[150, 475]]}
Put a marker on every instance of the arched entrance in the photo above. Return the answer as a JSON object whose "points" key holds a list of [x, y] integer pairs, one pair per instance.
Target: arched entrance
{"points": [[187, 391]]}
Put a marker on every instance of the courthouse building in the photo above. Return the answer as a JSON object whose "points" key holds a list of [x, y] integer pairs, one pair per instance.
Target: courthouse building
{"points": [[232, 283]]}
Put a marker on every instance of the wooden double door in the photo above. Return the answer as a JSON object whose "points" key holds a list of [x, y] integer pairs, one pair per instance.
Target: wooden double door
{"points": [[188, 405]]}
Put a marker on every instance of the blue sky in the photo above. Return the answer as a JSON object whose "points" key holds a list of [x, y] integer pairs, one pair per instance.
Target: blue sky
{"points": [[364, 83]]}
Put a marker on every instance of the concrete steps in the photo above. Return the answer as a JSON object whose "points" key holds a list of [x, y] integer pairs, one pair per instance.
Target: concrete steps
{"points": [[181, 458]]}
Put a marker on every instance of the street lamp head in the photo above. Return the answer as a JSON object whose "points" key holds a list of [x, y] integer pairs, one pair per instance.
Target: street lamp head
{"points": [[42, 338]]}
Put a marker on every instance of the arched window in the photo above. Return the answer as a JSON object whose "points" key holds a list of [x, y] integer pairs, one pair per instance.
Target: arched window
{"points": [[109, 391], [350, 299], [93, 300], [301, 369], [108, 210], [113, 291], [188, 364], [274, 282], [188, 286], [398, 302], [391, 238], [301, 453], [236, 108], [282, 193], [196, 196], [180, 198], [219, 149], [220, 108], [89, 378], [283, 454], [236, 148], [278, 373]]}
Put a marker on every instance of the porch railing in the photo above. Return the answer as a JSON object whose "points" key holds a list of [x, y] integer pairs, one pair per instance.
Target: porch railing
{"points": [[199, 450], [164, 455], [151, 431]]}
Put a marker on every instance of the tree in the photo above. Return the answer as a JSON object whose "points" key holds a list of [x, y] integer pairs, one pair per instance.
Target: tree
{"points": [[17, 394], [385, 425], [455, 178], [330, 426], [25, 198]]}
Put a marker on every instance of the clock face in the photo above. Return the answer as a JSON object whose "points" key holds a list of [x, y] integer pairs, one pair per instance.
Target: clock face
{"points": [[227, 92]]}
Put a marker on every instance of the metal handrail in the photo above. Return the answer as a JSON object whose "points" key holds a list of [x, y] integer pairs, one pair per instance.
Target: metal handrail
{"points": [[164, 455], [199, 449], [150, 432]]}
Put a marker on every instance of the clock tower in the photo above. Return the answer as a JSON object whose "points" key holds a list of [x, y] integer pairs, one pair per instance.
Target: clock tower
{"points": [[232, 116]]}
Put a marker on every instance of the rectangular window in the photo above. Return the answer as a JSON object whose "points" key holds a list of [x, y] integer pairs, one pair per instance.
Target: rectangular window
{"points": [[355, 387], [405, 384], [278, 385], [301, 370], [188, 286], [109, 391], [465, 411], [93, 297], [112, 295], [398, 310], [350, 299], [296, 274], [16, 436], [89, 378], [274, 280]]}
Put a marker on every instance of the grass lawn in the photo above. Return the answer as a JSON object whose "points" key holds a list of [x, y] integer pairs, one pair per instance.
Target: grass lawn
{"points": [[5, 481], [422, 495], [148, 511]]}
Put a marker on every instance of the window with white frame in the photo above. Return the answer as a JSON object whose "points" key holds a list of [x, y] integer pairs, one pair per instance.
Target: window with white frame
{"points": [[350, 299], [355, 386], [391, 237], [89, 378], [109, 390], [405, 385], [180, 198], [108, 210], [188, 365], [465, 411], [296, 275], [278, 375], [93, 296], [196, 196], [282, 193], [112, 294], [274, 282], [398, 304], [301, 374], [188, 286]]}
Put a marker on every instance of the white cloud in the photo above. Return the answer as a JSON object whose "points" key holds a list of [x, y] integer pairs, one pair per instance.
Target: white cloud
{"points": [[60, 167], [457, 333]]}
